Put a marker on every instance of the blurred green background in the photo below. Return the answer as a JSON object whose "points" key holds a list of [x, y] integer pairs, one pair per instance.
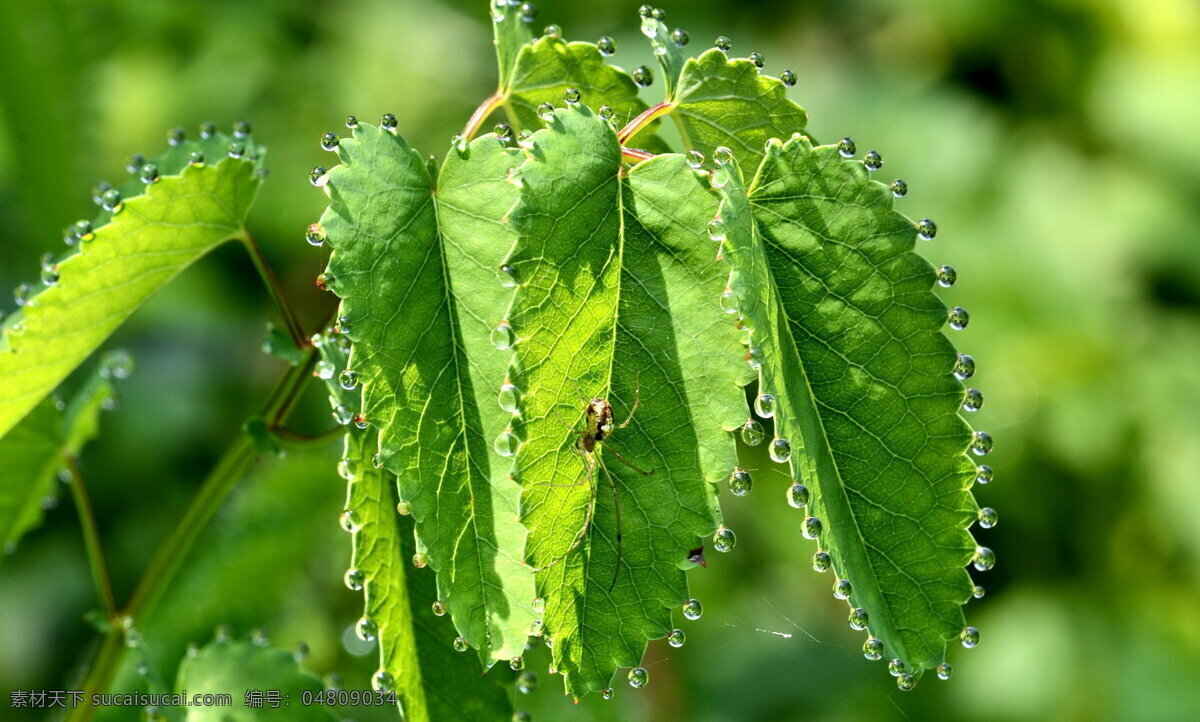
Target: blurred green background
{"points": [[1055, 143]]}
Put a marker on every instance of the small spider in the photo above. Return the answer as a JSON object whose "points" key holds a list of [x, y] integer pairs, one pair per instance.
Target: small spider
{"points": [[598, 418]]}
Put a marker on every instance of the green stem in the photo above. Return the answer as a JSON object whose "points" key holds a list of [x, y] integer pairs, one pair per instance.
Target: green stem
{"points": [[645, 118], [482, 112], [91, 540], [295, 330], [171, 554]]}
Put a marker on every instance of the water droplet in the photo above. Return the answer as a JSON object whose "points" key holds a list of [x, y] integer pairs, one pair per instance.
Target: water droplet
{"points": [[873, 649], [460, 644], [329, 141], [50, 275], [539, 605], [98, 192], [345, 470], [781, 450], [978, 591], [740, 482], [241, 129], [969, 637], [722, 155], [788, 78], [508, 398], [984, 474], [847, 148], [403, 508], [439, 608], [692, 609], [382, 681], [812, 527], [315, 234], [552, 31], [606, 45], [973, 400], [797, 496], [959, 318], [354, 580], [643, 76], [111, 200], [388, 121], [348, 379], [676, 638], [719, 178], [351, 122], [529, 12], [906, 682], [723, 43], [607, 693], [859, 619], [506, 443], [237, 149], [680, 37], [716, 227], [842, 589], [638, 677], [319, 176], [350, 521], [926, 229], [503, 131], [516, 664], [896, 668], [695, 160], [724, 539], [754, 357], [984, 559], [729, 301], [964, 367], [946, 276], [981, 443], [758, 60], [134, 163], [873, 160], [752, 433], [342, 414], [149, 174], [366, 629], [420, 560], [899, 188], [526, 682]]}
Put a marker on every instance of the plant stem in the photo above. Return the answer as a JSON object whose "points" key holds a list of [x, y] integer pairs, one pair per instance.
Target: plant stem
{"points": [[171, 554], [295, 330], [635, 155], [91, 539], [482, 112], [647, 116]]}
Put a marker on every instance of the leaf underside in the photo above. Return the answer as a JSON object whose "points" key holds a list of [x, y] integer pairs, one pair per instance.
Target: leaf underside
{"points": [[416, 652], [129, 256], [849, 335], [430, 376], [34, 451], [617, 301]]}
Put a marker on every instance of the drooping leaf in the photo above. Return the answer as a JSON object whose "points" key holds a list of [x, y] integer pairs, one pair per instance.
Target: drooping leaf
{"points": [[159, 230], [417, 658], [848, 334], [510, 28], [616, 301], [238, 667], [718, 101], [420, 284], [669, 51], [33, 453]]}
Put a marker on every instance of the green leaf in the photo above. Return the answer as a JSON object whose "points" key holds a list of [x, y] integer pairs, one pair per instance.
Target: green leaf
{"points": [[416, 648], [159, 230], [32, 454], [550, 65], [617, 301], [234, 668], [429, 374], [718, 101], [511, 33], [671, 55], [848, 332]]}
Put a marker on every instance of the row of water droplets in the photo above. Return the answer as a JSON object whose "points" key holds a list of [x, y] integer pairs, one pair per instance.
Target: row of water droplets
{"points": [[111, 200]]}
